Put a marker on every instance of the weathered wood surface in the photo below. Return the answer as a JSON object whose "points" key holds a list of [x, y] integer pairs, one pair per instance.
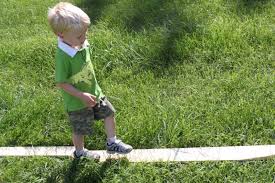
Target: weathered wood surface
{"points": [[157, 155]]}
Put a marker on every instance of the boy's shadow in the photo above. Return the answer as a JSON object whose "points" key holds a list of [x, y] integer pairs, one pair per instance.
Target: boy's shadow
{"points": [[85, 170], [74, 174]]}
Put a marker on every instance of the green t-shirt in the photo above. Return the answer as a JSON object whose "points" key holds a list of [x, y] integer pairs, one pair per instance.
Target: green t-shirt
{"points": [[79, 72]]}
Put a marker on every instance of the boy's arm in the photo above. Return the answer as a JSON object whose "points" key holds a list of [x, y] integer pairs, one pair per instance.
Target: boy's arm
{"points": [[87, 98]]}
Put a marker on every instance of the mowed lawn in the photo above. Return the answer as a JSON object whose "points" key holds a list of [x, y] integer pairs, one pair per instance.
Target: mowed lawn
{"points": [[180, 73]]}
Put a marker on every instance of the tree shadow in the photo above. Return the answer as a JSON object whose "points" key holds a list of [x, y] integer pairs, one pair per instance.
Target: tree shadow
{"points": [[250, 7], [174, 23], [94, 8], [140, 15]]}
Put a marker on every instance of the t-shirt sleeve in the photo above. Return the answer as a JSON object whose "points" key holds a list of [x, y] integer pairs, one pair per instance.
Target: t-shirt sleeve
{"points": [[62, 70]]}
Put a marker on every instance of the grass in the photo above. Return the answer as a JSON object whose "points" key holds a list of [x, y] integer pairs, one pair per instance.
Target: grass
{"points": [[64, 170], [179, 73]]}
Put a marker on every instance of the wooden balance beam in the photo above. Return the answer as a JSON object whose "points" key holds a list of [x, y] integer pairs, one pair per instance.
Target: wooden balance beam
{"points": [[229, 153]]}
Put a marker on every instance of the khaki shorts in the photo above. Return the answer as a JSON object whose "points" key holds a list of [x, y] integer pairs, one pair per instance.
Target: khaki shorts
{"points": [[82, 120]]}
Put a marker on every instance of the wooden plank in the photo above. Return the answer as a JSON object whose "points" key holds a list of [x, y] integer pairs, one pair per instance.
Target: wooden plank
{"points": [[236, 153], [37, 151]]}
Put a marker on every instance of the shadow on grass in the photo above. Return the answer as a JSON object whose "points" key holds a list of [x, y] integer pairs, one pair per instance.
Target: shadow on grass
{"points": [[148, 15], [85, 170], [250, 7], [94, 8], [253, 3], [175, 24]]}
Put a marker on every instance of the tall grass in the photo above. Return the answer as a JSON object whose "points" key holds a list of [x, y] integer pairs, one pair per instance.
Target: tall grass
{"points": [[64, 170]]}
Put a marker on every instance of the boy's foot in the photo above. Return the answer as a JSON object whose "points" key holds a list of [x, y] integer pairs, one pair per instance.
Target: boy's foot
{"points": [[87, 154], [118, 147]]}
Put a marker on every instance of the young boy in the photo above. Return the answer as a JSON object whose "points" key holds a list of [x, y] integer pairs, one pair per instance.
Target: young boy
{"points": [[83, 98]]}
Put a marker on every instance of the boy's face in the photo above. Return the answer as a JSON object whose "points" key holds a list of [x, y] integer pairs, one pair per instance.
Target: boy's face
{"points": [[74, 39]]}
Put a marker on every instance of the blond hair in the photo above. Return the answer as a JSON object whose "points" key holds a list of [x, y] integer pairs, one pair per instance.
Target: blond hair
{"points": [[65, 17]]}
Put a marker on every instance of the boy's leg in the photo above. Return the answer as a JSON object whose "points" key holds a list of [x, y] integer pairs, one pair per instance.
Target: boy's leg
{"points": [[110, 126], [78, 141], [81, 121], [114, 145], [105, 110]]}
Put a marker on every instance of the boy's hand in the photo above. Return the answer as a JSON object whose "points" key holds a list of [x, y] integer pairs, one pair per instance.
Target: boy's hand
{"points": [[88, 99]]}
